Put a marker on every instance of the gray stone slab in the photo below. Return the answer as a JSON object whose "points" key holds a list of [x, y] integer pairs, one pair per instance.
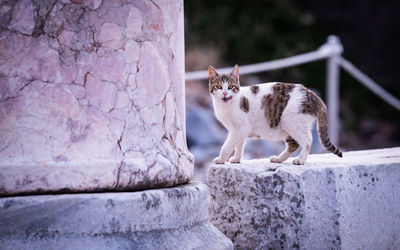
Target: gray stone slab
{"points": [[169, 218], [329, 203]]}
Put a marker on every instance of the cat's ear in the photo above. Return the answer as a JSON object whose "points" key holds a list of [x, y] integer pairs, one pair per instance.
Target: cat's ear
{"points": [[235, 72], [212, 73]]}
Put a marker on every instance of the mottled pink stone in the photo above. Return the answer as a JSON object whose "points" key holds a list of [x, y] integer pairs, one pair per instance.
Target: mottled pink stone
{"points": [[23, 17], [92, 96]]}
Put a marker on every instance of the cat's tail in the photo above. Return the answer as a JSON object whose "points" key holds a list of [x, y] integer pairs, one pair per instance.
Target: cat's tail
{"points": [[323, 133]]}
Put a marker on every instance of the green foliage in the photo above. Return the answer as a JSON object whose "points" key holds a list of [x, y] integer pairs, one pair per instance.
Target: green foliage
{"points": [[255, 31], [249, 31]]}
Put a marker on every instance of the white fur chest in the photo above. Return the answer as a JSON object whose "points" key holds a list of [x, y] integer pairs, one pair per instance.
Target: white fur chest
{"points": [[226, 113]]}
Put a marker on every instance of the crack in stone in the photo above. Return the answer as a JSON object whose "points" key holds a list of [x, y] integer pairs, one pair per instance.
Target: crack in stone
{"points": [[118, 174], [27, 84], [9, 98], [119, 143], [120, 138], [123, 155], [17, 32], [158, 7], [40, 22], [5, 147], [85, 78]]}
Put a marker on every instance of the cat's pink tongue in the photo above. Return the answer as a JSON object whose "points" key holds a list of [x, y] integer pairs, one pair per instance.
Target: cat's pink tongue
{"points": [[226, 99]]}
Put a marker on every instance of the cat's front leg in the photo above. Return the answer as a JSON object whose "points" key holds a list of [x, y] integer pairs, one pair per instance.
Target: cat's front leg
{"points": [[238, 152], [218, 160], [230, 143]]}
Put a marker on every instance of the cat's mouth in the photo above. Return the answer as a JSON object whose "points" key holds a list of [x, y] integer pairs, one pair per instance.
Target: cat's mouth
{"points": [[226, 98]]}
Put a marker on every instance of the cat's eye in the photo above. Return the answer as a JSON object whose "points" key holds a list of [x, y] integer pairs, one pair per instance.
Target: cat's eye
{"points": [[231, 87], [218, 87]]}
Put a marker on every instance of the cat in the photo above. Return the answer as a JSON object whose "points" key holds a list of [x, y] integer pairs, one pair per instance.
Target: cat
{"points": [[275, 111]]}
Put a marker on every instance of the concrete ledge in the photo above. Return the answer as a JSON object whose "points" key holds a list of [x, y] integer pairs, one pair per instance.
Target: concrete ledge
{"points": [[169, 218], [329, 203]]}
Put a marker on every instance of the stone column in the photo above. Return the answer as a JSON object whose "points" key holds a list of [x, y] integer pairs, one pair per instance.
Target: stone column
{"points": [[92, 96]]}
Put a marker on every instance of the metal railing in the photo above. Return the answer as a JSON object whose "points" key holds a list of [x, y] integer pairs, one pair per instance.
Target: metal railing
{"points": [[331, 51]]}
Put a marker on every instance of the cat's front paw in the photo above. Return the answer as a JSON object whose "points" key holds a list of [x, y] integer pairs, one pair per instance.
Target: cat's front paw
{"points": [[234, 160], [275, 159], [218, 160], [298, 162]]}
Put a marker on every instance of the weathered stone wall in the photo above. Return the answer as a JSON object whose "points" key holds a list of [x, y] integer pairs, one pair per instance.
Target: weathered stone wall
{"points": [[92, 95], [329, 203]]}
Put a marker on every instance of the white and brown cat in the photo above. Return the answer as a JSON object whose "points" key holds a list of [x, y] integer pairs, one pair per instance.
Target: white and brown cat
{"points": [[274, 111]]}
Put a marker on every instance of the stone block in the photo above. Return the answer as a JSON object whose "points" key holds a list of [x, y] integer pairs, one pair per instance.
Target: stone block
{"points": [[329, 203], [169, 218]]}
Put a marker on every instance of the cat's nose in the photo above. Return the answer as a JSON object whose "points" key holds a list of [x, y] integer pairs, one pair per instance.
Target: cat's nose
{"points": [[225, 93]]}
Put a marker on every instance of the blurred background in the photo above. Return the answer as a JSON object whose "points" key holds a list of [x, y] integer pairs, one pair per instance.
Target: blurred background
{"points": [[223, 33]]}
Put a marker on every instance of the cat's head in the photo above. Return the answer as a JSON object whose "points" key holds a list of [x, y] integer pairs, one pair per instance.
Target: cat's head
{"points": [[224, 87]]}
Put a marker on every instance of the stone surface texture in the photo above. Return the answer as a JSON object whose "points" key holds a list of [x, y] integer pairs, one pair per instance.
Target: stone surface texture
{"points": [[329, 203], [170, 218], [92, 96]]}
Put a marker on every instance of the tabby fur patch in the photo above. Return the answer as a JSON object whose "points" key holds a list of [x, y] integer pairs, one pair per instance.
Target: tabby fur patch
{"points": [[244, 104], [274, 104], [312, 104], [291, 144], [254, 89]]}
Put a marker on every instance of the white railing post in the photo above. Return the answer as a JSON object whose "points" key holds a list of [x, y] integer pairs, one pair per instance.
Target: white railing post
{"points": [[335, 49]]}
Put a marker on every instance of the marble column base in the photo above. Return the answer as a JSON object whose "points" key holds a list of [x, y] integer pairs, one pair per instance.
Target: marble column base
{"points": [[169, 218]]}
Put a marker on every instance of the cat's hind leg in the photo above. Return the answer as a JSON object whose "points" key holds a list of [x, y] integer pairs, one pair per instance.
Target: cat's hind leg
{"points": [[291, 147], [238, 152], [304, 140], [298, 127]]}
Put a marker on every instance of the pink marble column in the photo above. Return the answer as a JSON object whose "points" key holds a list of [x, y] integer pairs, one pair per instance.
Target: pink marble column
{"points": [[92, 96]]}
